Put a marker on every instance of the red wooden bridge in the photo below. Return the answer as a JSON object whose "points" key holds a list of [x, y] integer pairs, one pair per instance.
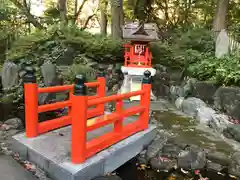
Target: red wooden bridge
{"points": [[81, 108]]}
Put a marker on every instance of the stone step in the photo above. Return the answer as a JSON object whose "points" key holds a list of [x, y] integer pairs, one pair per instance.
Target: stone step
{"points": [[12, 170]]}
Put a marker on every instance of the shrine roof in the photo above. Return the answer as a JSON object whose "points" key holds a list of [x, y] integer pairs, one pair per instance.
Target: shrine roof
{"points": [[136, 32]]}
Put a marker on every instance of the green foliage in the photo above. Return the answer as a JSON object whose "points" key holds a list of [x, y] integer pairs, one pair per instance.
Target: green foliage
{"points": [[53, 43], [198, 39], [76, 69], [225, 70], [184, 48]]}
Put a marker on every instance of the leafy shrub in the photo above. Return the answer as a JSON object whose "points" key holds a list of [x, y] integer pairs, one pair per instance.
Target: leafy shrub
{"points": [[53, 43], [198, 39], [76, 69], [225, 70]]}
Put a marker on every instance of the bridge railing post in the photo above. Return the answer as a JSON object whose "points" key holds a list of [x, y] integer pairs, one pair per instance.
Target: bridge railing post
{"points": [[79, 120], [101, 90], [118, 125], [146, 99], [31, 102]]}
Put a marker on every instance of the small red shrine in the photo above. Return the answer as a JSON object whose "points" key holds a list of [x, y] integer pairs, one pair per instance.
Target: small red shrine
{"points": [[137, 55]]}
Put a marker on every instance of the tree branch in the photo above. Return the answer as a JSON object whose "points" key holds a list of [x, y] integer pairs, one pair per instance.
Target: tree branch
{"points": [[26, 12], [89, 18], [87, 21], [80, 9]]}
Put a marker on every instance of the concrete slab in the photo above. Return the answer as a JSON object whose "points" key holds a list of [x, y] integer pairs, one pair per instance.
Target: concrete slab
{"points": [[51, 152], [11, 170]]}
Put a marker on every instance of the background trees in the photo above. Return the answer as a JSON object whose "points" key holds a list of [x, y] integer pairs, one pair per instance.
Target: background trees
{"points": [[186, 29]]}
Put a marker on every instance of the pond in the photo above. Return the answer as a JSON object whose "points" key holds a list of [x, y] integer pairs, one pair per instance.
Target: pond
{"points": [[131, 171], [186, 130]]}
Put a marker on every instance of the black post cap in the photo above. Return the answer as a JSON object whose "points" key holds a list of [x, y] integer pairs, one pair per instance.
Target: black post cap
{"points": [[80, 89], [147, 77], [29, 76], [100, 72]]}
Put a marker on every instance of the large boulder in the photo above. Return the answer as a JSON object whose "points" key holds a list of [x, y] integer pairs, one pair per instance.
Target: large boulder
{"points": [[191, 105], [175, 92], [178, 103], [234, 167], [227, 99], [155, 147], [219, 122], [233, 131], [204, 91], [9, 75], [205, 114], [50, 78]]}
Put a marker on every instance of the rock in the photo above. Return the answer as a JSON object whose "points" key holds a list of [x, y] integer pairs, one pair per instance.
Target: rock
{"points": [[155, 147], [205, 114], [142, 157], [178, 141], [10, 75], [178, 102], [170, 151], [12, 132], [188, 87], [222, 44], [219, 122], [191, 105], [162, 163], [234, 167], [14, 123], [234, 113], [192, 158], [2, 135], [50, 78], [226, 99], [49, 73], [214, 166], [160, 84], [219, 158], [176, 92], [204, 91], [233, 131]]}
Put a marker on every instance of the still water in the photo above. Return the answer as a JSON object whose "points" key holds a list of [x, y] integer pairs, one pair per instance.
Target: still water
{"points": [[188, 131]]}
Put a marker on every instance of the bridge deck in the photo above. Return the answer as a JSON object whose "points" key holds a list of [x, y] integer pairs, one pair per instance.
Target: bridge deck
{"points": [[51, 152]]}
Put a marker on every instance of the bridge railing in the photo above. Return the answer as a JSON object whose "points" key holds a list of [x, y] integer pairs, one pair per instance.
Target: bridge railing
{"points": [[32, 109], [79, 113], [83, 149]]}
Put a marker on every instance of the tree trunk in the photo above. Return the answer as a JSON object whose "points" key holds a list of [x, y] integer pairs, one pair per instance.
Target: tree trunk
{"points": [[116, 11], [62, 7], [103, 16], [220, 21], [76, 7]]}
